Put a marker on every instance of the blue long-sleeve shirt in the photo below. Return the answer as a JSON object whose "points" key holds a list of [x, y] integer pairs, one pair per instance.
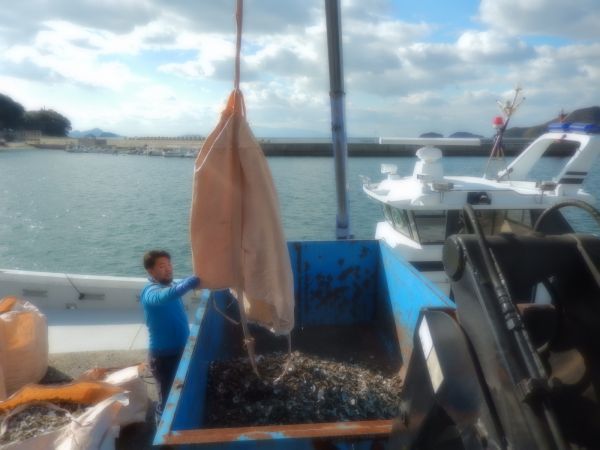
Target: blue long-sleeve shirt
{"points": [[165, 317]]}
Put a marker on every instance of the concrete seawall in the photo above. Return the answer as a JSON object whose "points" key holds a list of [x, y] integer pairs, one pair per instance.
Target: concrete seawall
{"points": [[306, 147], [511, 148]]}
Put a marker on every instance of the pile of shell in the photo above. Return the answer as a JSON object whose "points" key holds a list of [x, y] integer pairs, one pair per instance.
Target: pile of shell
{"points": [[36, 419], [306, 389]]}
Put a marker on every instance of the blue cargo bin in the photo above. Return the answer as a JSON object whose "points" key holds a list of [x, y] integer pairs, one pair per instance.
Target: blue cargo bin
{"points": [[353, 299]]}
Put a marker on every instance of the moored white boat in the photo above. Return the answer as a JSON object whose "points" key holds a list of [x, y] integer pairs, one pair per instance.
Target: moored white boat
{"points": [[421, 210]]}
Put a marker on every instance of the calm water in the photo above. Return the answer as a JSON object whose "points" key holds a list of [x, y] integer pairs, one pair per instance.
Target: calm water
{"points": [[97, 214]]}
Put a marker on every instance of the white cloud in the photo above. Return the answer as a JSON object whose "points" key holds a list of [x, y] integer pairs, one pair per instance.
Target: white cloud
{"points": [[397, 67], [212, 50], [55, 49], [572, 19], [166, 66], [24, 19], [491, 46], [373, 46], [260, 16]]}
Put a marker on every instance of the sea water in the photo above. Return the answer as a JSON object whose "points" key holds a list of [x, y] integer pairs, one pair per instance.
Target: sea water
{"points": [[98, 213]]}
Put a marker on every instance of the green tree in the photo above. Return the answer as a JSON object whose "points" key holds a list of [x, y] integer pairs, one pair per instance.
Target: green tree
{"points": [[11, 113], [48, 121]]}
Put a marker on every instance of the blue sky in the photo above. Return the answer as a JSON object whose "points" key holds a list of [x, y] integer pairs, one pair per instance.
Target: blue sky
{"points": [[451, 16], [158, 67]]}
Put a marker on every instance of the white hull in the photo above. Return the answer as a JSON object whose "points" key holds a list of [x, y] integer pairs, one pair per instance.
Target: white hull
{"points": [[49, 290], [108, 316]]}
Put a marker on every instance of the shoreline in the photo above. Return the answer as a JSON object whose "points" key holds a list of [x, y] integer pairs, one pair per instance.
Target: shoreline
{"points": [[171, 148], [17, 146]]}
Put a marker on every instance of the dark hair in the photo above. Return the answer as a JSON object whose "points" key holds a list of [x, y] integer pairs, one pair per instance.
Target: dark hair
{"points": [[151, 256]]}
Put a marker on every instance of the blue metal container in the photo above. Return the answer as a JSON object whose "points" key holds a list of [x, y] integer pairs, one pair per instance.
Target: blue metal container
{"points": [[349, 295]]}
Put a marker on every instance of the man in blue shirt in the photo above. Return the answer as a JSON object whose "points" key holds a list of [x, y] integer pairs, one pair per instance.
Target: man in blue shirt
{"points": [[166, 320]]}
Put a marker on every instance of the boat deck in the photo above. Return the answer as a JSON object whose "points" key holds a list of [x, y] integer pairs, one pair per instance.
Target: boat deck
{"points": [[95, 330], [86, 330]]}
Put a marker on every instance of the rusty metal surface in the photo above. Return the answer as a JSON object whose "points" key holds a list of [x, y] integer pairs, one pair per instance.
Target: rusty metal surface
{"points": [[363, 429]]}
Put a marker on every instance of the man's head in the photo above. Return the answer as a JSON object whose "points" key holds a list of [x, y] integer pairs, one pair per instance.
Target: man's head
{"points": [[158, 265]]}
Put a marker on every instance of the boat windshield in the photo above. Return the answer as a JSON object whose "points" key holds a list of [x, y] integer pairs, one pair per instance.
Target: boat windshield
{"points": [[434, 226], [398, 218], [494, 221], [431, 226]]}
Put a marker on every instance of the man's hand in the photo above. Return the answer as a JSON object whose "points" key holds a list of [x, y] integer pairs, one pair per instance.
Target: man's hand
{"points": [[187, 284]]}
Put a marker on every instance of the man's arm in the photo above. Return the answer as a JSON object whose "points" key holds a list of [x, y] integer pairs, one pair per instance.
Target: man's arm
{"points": [[155, 295]]}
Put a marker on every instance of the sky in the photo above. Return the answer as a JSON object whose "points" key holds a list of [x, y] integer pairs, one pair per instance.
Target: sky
{"points": [[165, 67]]}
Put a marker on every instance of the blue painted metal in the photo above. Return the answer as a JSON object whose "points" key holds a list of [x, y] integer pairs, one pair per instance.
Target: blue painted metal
{"points": [[334, 284], [351, 283], [188, 365], [407, 292]]}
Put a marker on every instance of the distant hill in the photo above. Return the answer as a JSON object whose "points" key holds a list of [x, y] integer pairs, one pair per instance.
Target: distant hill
{"points": [[94, 132], [587, 115], [431, 134], [465, 134]]}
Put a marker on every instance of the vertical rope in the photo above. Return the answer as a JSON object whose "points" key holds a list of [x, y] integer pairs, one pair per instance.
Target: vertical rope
{"points": [[239, 15], [248, 339], [239, 109], [237, 231]]}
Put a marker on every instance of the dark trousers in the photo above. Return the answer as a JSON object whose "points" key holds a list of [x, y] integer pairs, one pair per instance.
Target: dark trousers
{"points": [[164, 368]]}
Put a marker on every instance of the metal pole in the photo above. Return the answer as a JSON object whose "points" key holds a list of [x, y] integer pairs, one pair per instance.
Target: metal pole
{"points": [[338, 128]]}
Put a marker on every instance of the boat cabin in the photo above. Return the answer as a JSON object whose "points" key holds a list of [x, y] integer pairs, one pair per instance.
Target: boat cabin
{"points": [[423, 209]]}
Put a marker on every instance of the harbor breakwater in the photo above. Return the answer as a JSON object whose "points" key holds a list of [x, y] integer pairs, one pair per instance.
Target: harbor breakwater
{"points": [[296, 147], [512, 147]]}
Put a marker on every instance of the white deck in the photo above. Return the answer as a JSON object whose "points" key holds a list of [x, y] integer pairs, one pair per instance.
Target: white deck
{"points": [[88, 331], [85, 330]]}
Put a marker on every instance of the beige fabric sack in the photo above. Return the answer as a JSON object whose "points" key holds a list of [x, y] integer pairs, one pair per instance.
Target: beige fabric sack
{"points": [[43, 441], [95, 429], [235, 227], [130, 380], [23, 345]]}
